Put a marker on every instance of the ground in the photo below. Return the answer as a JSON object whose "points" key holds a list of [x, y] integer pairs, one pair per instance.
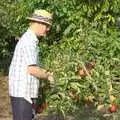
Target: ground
{"points": [[5, 110]]}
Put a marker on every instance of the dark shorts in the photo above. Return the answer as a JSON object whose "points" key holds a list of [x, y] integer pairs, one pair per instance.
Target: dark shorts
{"points": [[21, 108]]}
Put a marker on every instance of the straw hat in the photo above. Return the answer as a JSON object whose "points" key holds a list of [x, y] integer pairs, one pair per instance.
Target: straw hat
{"points": [[41, 16]]}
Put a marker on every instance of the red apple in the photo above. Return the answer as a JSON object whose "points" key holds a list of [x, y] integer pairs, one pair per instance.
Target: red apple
{"points": [[42, 107], [113, 108], [82, 72]]}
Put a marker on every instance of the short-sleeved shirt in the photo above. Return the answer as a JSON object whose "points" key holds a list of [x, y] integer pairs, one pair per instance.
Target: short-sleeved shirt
{"points": [[21, 83]]}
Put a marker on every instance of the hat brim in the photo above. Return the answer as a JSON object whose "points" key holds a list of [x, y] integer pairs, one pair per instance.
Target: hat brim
{"points": [[37, 20]]}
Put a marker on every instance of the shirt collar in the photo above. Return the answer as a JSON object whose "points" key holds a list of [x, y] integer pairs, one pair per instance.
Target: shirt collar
{"points": [[32, 35]]}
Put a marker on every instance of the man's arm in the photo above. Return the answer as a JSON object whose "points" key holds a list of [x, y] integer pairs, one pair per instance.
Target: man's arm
{"points": [[38, 72]]}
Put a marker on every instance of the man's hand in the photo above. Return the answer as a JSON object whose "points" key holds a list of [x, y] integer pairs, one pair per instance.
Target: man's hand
{"points": [[51, 79]]}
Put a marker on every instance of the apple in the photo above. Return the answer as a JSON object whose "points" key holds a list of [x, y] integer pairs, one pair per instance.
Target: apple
{"points": [[113, 108], [102, 108], [39, 109], [73, 95], [82, 72], [112, 98], [42, 107]]}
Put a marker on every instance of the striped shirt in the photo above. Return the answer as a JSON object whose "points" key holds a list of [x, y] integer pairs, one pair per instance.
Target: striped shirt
{"points": [[21, 83]]}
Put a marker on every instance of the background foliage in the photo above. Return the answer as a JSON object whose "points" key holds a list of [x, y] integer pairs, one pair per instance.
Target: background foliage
{"points": [[82, 30]]}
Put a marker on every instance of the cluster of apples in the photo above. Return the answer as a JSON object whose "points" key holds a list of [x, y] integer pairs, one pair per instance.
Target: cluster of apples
{"points": [[112, 107], [87, 71]]}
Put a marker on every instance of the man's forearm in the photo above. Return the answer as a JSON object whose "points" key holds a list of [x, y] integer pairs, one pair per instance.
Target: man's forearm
{"points": [[37, 72]]}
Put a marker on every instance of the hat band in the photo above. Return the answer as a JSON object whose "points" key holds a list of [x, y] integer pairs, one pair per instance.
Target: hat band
{"points": [[45, 19]]}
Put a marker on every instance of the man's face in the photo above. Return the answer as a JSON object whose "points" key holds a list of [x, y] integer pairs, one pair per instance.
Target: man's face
{"points": [[43, 29]]}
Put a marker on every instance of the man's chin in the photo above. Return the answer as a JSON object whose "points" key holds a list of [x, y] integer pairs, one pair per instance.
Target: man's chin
{"points": [[43, 35]]}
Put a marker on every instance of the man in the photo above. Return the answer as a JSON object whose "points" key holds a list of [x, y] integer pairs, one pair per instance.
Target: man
{"points": [[24, 72]]}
